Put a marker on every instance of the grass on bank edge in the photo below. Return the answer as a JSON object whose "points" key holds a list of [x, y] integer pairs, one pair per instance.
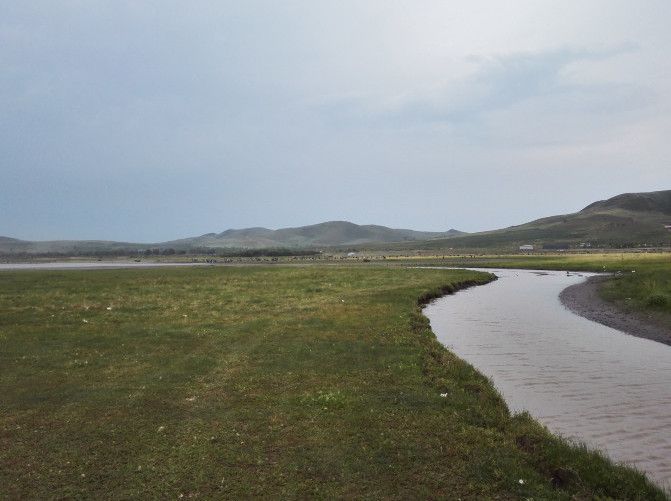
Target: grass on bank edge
{"points": [[262, 382], [572, 469]]}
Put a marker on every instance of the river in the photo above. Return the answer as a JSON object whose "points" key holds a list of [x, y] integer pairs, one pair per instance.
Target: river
{"points": [[583, 380]]}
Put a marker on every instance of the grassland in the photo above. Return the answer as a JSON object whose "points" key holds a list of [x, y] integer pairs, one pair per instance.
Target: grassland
{"points": [[316, 381]]}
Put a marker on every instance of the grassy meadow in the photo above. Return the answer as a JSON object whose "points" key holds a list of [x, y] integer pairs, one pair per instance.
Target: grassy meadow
{"points": [[313, 381]]}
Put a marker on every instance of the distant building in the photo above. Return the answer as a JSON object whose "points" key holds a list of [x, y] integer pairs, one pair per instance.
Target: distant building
{"points": [[351, 254], [667, 226], [526, 248]]}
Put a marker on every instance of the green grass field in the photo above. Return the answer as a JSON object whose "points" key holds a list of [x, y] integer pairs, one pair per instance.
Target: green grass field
{"points": [[315, 381]]}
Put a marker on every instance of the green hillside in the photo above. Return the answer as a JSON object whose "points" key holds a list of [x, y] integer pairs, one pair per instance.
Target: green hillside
{"points": [[630, 219]]}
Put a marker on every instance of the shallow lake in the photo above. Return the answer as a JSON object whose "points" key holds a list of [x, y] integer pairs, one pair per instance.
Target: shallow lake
{"points": [[581, 379], [90, 265]]}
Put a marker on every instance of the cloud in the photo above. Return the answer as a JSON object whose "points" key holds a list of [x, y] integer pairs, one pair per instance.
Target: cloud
{"points": [[228, 114], [500, 83]]}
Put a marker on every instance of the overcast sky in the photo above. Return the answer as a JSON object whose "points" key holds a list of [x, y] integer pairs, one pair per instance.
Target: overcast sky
{"points": [[149, 121]]}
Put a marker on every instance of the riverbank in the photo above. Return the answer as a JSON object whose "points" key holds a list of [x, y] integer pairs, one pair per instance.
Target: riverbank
{"points": [[585, 300]]}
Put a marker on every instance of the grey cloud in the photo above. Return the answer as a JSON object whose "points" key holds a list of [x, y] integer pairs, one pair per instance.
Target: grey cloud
{"points": [[156, 120], [498, 83]]}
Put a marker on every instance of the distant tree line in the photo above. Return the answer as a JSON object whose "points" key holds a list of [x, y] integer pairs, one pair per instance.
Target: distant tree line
{"points": [[165, 251], [275, 252]]}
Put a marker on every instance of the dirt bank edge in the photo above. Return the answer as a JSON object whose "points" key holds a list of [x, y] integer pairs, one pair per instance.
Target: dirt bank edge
{"points": [[583, 299]]}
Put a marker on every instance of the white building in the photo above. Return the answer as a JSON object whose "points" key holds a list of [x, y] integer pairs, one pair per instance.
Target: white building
{"points": [[526, 248]]}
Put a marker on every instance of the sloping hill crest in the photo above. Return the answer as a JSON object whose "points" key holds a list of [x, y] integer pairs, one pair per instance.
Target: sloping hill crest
{"points": [[626, 220], [654, 201]]}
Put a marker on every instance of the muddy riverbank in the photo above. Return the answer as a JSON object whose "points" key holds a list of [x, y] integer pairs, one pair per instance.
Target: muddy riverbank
{"points": [[583, 299]]}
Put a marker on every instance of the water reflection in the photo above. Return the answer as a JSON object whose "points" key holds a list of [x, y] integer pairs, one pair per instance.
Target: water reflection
{"points": [[581, 379]]}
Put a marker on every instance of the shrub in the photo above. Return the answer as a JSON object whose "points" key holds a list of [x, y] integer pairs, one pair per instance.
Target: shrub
{"points": [[657, 300]]}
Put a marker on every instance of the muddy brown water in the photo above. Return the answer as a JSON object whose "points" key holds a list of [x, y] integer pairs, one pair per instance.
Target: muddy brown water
{"points": [[583, 380]]}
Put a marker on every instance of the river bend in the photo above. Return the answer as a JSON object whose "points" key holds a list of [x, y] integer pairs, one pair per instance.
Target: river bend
{"points": [[583, 380]]}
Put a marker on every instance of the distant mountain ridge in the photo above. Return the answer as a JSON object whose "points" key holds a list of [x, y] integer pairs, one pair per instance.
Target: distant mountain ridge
{"points": [[626, 220], [327, 234]]}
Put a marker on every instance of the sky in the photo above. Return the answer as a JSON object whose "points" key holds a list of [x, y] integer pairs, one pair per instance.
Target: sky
{"points": [[148, 121]]}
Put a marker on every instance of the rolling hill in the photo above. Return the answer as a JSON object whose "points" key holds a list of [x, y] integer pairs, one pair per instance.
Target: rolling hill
{"points": [[627, 220], [328, 234], [13, 246]]}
